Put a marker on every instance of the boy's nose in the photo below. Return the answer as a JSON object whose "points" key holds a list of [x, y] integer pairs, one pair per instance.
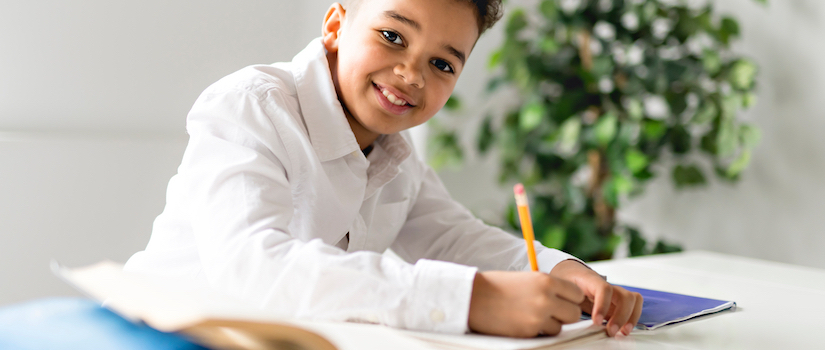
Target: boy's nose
{"points": [[410, 73]]}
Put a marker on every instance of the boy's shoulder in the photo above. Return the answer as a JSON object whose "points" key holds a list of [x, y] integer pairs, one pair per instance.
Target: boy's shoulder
{"points": [[260, 80]]}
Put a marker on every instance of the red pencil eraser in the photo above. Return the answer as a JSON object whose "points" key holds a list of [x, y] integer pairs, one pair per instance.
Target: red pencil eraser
{"points": [[518, 188]]}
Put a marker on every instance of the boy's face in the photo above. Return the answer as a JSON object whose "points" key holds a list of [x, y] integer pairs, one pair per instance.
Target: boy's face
{"points": [[395, 62]]}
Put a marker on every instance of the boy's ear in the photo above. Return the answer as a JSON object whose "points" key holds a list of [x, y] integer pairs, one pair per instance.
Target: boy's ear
{"points": [[333, 24]]}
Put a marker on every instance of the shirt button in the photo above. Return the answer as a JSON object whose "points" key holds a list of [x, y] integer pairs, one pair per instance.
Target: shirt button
{"points": [[437, 315]]}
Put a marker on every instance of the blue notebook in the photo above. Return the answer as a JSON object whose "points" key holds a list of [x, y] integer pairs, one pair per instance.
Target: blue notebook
{"points": [[663, 308], [76, 323]]}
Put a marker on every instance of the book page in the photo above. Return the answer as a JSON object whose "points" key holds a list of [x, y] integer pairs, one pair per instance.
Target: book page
{"points": [[215, 320], [569, 333]]}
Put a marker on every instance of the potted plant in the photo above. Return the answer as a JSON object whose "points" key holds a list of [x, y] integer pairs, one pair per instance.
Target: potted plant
{"points": [[609, 93]]}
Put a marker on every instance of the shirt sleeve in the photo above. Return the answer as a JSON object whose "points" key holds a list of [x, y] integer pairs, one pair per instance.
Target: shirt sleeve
{"points": [[234, 180], [440, 228]]}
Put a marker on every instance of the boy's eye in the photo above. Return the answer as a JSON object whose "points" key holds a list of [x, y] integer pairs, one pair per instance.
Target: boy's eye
{"points": [[442, 65], [392, 37]]}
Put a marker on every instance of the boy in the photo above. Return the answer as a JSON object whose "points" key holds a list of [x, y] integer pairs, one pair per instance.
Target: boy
{"points": [[297, 176]]}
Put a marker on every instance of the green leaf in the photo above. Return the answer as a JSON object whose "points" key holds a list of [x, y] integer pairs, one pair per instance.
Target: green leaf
{"points": [[517, 22], [742, 74], [636, 161], [709, 142], [531, 116], [706, 113], [730, 105], [495, 58], [748, 99], [749, 136], [712, 62], [486, 137], [663, 247], [739, 164], [605, 128], [688, 175], [622, 184], [726, 140], [446, 150], [637, 244], [680, 140], [654, 129], [611, 197], [602, 66], [570, 131], [549, 46], [494, 83], [548, 9], [728, 29], [583, 237], [520, 74], [453, 103], [635, 109], [612, 242], [554, 237]]}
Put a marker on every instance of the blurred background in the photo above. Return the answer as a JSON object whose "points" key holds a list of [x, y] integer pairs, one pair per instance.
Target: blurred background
{"points": [[94, 94]]}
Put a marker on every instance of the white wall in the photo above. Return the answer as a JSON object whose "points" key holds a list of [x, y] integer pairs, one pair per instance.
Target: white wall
{"points": [[93, 96]]}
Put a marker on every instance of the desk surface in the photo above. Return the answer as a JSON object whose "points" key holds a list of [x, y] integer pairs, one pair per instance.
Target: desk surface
{"points": [[779, 305]]}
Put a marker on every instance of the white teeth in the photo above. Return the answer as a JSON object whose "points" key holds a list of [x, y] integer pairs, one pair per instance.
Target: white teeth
{"points": [[393, 99]]}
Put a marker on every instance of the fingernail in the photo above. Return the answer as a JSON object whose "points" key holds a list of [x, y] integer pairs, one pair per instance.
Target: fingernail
{"points": [[627, 328], [613, 330]]}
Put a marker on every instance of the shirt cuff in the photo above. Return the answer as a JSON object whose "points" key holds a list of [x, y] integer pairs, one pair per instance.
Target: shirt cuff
{"points": [[548, 258], [440, 300]]}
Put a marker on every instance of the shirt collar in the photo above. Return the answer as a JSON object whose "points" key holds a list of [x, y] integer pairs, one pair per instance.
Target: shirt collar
{"points": [[329, 131]]}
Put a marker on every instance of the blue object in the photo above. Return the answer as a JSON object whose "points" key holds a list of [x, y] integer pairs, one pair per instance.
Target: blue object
{"points": [[76, 323], [663, 308]]}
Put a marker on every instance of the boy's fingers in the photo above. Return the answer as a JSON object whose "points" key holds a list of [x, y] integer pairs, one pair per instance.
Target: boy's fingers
{"points": [[566, 312], [551, 327], [601, 303], [568, 291], [625, 302], [634, 317]]}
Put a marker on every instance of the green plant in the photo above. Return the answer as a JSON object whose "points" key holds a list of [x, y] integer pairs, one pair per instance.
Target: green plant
{"points": [[610, 92]]}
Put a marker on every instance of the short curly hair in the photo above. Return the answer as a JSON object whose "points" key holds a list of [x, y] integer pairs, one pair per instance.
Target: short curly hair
{"points": [[488, 12]]}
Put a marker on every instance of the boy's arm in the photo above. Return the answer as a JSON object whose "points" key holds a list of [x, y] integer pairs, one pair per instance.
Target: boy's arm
{"points": [[234, 188], [440, 228], [510, 303]]}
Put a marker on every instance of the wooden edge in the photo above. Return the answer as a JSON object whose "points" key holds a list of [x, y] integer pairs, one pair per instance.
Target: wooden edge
{"points": [[250, 335]]}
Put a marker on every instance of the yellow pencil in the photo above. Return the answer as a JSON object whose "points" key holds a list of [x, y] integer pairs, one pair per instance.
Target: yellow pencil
{"points": [[526, 224]]}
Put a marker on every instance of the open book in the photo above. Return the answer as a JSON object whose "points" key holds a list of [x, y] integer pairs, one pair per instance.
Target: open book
{"points": [[216, 321]]}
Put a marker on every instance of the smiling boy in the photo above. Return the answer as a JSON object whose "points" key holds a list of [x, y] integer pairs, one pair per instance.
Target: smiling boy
{"points": [[298, 175]]}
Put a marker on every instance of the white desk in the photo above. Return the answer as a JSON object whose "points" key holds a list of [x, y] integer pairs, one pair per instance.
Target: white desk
{"points": [[780, 306]]}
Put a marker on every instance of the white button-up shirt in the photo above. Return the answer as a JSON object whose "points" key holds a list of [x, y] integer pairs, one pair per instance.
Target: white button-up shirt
{"points": [[273, 185]]}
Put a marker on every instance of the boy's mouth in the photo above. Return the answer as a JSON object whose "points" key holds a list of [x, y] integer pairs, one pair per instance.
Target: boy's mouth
{"points": [[391, 97]]}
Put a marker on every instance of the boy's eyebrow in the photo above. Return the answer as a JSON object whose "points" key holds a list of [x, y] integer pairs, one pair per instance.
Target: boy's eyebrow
{"points": [[398, 17], [456, 53]]}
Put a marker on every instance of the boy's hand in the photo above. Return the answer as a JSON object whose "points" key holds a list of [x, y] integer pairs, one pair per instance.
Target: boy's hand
{"points": [[523, 304], [620, 307]]}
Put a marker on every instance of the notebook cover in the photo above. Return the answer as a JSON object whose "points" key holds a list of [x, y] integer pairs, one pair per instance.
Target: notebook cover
{"points": [[75, 323], [663, 308]]}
